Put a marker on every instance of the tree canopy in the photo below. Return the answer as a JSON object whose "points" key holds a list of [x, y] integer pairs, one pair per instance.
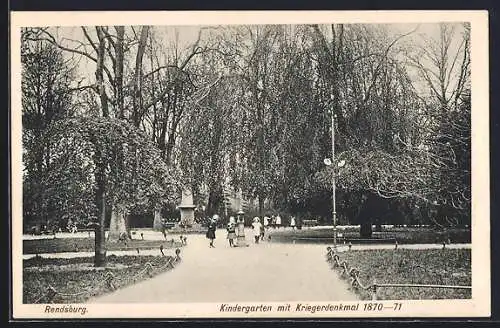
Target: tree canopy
{"points": [[247, 108]]}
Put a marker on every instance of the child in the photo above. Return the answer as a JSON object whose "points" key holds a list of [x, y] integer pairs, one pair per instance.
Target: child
{"points": [[256, 225], [278, 221], [212, 226], [231, 233]]}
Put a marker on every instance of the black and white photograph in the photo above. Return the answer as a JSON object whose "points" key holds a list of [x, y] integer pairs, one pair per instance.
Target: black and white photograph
{"points": [[250, 166]]}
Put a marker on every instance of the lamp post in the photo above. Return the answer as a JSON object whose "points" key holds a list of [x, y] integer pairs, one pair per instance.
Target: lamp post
{"points": [[334, 209], [334, 165]]}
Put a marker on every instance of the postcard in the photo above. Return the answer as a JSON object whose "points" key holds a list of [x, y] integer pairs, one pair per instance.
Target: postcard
{"points": [[244, 164]]}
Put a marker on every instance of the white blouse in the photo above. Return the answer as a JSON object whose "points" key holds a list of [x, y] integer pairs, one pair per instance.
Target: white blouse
{"points": [[256, 228]]}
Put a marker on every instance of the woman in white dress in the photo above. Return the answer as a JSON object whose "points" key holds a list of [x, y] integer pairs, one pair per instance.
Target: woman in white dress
{"points": [[278, 221], [256, 225], [292, 222]]}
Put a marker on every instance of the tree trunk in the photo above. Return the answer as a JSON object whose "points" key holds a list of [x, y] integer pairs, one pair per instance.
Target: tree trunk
{"points": [[100, 161], [120, 31], [215, 200], [365, 230], [99, 73], [100, 245], [365, 216], [137, 99], [261, 204]]}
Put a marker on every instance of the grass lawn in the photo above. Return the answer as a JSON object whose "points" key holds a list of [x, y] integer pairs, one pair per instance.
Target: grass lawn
{"points": [[408, 235], [403, 266], [80, 280], [60, 245]]}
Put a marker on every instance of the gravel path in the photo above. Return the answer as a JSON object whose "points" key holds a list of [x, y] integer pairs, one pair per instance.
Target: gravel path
{"points": [[266, 272], [263, 272]]}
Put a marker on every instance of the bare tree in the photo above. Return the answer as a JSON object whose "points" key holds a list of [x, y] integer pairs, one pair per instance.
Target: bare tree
{"points": [[444, 64]]}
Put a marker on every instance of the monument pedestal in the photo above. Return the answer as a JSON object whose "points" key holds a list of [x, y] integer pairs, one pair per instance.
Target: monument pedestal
{"points": [[240, 231], [157, 220], [187, 215], [187, 209]]}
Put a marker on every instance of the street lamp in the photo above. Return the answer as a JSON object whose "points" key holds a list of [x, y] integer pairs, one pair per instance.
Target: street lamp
{"points": [[329, 162]]}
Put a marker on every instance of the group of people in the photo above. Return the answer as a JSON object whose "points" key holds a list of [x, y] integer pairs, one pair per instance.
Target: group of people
{"points": [[258, 228], [231, 230]]}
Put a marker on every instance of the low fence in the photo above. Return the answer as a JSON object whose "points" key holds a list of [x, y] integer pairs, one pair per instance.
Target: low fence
{"points": [[109, 281], [353, 275], [348, 241]]}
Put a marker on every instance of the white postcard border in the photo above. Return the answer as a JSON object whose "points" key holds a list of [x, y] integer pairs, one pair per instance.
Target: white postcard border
{"points": [[478, 306]]}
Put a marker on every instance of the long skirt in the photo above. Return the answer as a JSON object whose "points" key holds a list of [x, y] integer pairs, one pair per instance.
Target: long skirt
{"points": [[211, 234]]}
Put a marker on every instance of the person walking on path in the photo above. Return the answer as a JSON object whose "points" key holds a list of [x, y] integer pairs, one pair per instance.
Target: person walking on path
{"points": [[292, 222], [266, 222], [256, 225], [231, 233], [212, 226], [278, 221], [261, 236], [164, 228]]}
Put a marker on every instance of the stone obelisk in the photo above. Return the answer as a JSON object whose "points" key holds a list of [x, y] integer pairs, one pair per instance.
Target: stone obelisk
{"points": [[187, 208], [157, 219]]}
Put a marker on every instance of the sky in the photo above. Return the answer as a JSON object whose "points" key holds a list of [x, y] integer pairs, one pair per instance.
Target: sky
{"points": [[185, 36]]}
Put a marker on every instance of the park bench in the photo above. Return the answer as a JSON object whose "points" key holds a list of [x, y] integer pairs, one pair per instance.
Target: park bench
{"points": [[388, 240], [169, 225], [309, 223]]}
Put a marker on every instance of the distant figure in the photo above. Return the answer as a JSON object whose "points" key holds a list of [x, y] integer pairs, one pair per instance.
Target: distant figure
{"points": [[262, 232], [231, 233], [278, 221], [292, 222], [266, 221], [72, 228], [256, 225], [273, 222], [240, 232], [212, 226]]}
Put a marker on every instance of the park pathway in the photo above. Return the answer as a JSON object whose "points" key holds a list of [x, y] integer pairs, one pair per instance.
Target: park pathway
{"points": [[264, 272]]}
